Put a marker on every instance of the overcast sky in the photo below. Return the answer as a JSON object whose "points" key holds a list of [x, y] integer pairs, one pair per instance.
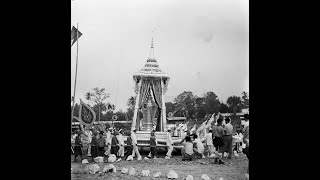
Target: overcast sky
{"points": [[202, 44]]}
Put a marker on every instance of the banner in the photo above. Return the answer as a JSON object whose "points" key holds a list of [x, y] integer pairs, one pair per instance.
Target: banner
{"points": [[86, 114], [75, 35]]}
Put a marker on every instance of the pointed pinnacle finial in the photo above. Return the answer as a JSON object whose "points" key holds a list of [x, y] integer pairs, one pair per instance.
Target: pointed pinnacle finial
{"points": [[152, 46]]}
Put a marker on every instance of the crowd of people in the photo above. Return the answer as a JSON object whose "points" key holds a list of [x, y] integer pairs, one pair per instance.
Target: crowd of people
{"points": [[218, 143]]}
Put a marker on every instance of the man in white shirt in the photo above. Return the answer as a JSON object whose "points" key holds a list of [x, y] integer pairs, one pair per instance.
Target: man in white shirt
{"points": [[108, 141], [86, 140], [169, 144], [135, 145], [209, 143], [200, 148], [121, 144], [227, 138]]}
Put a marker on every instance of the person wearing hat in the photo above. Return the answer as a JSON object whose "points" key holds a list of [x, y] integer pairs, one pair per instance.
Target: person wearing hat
{"points": [[169, 144], [135, 145], [78, 147]]}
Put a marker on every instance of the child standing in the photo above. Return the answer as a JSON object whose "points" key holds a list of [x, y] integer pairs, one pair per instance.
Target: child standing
{"points": [[153, 146]]}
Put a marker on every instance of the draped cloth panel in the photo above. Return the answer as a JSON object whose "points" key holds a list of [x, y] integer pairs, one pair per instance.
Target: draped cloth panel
{"points": [[157, 92], [144, 91], [158, 127]]}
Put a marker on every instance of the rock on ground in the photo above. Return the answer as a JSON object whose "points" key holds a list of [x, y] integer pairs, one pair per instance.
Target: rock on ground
{"points": [[189, 177], [110, 168], [85, 161], [130, 158], [158, 174], [205, 177], [92, 168], [98, 159], [172, 175], [145, 173], [132, 171], [124, 170], [112, 158]]}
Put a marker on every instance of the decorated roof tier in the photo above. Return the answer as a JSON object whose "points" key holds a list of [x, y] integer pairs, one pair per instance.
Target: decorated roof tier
{"points": [[151, 69]]}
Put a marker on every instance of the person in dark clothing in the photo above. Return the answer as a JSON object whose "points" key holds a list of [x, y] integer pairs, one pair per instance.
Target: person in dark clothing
{"points": [[114, 144], [78, 147], [94, 145], [217, 134], [101, 144], [153, 146], [129, 146]]}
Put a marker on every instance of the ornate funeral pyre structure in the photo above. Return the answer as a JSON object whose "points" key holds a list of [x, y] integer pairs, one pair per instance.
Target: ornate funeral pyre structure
{"points": [[151, 84]]}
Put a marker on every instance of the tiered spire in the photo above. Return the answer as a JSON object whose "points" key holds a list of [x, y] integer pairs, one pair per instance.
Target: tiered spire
{"points": [[152, 50]]}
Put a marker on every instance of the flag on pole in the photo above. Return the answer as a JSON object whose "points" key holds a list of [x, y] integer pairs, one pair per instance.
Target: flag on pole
{"points": [[86, 114], [74, 36]]}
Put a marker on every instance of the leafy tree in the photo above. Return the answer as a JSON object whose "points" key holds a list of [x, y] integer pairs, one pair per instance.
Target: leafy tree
{"points": [[169, 107], [98, 96], [200, 107], [130, 111], [224, 108], [211, 102], [245, 99], [234, 103], [185, 101]]}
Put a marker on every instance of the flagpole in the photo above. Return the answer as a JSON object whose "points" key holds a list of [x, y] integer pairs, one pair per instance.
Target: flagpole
{"points": [[75, 80]]}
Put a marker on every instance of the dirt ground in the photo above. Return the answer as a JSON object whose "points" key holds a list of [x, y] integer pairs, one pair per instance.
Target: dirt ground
{"points": [[232, 169]]}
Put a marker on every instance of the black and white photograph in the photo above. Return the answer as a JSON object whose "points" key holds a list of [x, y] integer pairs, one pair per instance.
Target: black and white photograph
{"points": [[159, 89]]}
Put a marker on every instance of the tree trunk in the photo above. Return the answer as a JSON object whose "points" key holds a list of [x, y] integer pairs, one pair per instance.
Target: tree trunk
{"points": [[99, 112]]}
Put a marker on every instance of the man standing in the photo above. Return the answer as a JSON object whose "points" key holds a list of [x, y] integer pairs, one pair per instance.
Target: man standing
{"points": [[246, 140], [101, 144], [121, 144], [86, 140], [129, 146], [217, 133], [94, 146], [169, 145], [78, 147], [135, 145], [114, 144], [209, 143], [227, 138]]}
